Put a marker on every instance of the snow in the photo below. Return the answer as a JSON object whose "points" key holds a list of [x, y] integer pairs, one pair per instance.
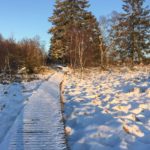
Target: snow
{"points": [[13, 97], [30, 115], [105, 110], [108, 110]]}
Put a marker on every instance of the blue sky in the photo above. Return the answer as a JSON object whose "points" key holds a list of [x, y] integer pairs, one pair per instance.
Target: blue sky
{"points": [[28, 18]]}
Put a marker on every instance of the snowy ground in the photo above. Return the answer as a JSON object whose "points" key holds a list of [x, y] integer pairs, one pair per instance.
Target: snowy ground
{"points": [[108, 110], [30, 115], [13, 98]]}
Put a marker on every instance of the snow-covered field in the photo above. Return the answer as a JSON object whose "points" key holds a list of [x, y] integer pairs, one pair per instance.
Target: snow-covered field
{"points": [[108, 110], [13, 97]]}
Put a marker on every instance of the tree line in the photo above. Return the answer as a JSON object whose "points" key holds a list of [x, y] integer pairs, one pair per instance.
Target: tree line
{"points": [[27, 53], [79, 40]]}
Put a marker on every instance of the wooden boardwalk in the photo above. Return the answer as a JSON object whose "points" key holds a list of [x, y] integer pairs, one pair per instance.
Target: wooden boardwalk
{"points": [[39, 126]]}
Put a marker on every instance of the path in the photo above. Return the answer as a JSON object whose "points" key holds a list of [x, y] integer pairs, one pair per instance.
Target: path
{"points": [[39, 125]]}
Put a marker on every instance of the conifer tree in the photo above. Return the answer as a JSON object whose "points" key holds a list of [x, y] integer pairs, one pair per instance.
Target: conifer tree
{"points": [[75, 31], [132, 33]]}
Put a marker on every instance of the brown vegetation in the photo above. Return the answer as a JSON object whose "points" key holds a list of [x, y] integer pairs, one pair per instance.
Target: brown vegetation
{"points": [[27, 53]]}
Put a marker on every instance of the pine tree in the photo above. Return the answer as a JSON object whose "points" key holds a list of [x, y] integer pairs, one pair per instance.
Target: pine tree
{"points": [[75, 33], [132, 33], [57, 47]]}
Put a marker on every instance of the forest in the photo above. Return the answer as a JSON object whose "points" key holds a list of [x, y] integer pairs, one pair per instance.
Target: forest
{"points": [[79, 40]]}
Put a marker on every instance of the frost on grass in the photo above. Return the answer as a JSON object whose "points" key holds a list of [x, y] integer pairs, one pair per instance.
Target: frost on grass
{"points": [[108, 110]]}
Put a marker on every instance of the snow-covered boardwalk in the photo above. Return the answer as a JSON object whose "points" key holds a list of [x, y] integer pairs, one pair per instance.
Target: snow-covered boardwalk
{"points": [[39, 125]]}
